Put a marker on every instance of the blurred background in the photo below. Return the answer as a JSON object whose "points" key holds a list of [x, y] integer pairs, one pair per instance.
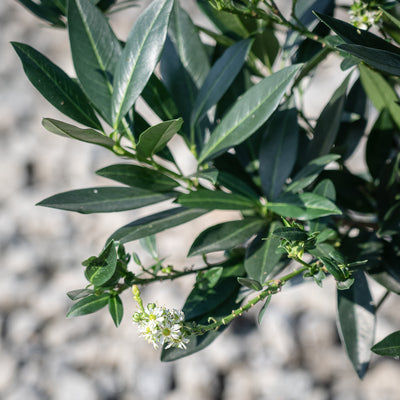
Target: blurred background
{"points": [[294, 354]]}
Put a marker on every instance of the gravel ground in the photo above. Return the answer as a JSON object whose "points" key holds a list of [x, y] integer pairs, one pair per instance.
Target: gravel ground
{"points": [[294, 354]]}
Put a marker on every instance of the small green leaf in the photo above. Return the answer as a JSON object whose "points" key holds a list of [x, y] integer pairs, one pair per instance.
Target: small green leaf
{"points": [[116, 309], [215, 200], [250, 283], [56, 86], [290, 233], [249, 112], [357, 322], [83, 135], [389, 346], [79, 293], [225, 236], [155, 138], [48, 14], [155, 223], [149, 244], [140, 56], [102, 268], [303, 206], [88, 305], [278, 151], [310, 172], [263, 309], [346, 284], [138, 176], [104, 199]]}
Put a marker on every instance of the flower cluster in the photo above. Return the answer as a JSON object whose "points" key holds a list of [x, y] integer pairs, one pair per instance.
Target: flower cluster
{"points": [[363, 14], [159, 325]]}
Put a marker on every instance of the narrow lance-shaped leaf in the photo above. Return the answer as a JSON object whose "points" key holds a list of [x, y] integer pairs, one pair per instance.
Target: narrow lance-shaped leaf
{"points": [[138, 176], [44, 12], [140, 56], [389, 346], [188, 45], [155, 223], [104, 199], [116, 309], [215, 200], [56, 86], [88, 305], [225, 236], [249, 112], [357, 322], [278, 151], [95, 50], [155, 138], [220, 77], [74, 132]]}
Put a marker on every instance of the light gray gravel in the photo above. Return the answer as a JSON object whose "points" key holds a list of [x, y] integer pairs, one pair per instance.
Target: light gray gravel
{"points": [[295, 354]]}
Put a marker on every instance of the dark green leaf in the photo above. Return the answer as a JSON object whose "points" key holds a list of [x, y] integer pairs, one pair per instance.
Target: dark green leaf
{"points": [[303, 206], [250, 283], [79, 293], [235, 184], [381, 93], [389, 346], [215, 200], [357, 322], [225, 236], [249, 112], [155, 223], [104, 199], [326, 188], [262, 255], [138, 176], [102, 268], [43, 12], [310, 172], [352, 35], [263, 309], [83, 135], [155, 138], [95, 50], [328, 123], [116, 309], [88, 305], [278, 151], [290, 233], [187, 43], [140, 56], [56, 86], [220, 78]]}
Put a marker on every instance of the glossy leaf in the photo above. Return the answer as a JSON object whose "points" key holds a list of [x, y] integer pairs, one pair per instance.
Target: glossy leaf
{"points": [[104, 199], [328, 123], [357, 322], [389, 346], [116, 309], [155, 138], [155, 223], [188, 45], [100, 269], [79, 293], [303, 206], [310, 172], [50, 15], [236, 185], [95, 50], [56, 86], [139, 177], [84, 135], [215, 200], [220, 78], [249, 112], [250, 283], [225, 236], [88, 305], [140, 56], [278, 151], [262, 255], [380, 92]]}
